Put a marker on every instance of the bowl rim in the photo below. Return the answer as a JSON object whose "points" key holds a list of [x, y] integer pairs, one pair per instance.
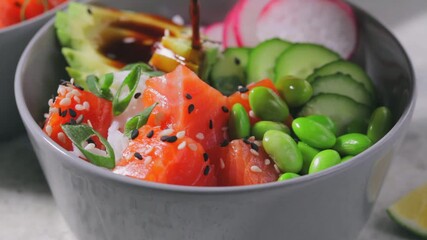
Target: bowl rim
{"points": [[101, 173]]}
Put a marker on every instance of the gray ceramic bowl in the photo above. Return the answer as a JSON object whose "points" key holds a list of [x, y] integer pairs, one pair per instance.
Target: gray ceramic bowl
{"points": [[333, 204], [13, 41]]}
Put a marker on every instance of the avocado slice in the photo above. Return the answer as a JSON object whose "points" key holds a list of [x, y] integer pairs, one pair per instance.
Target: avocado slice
{"points": [[97, 40]]}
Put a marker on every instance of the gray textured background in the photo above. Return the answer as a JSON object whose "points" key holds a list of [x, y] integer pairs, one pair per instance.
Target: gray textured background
{"points": [[27, 210]]}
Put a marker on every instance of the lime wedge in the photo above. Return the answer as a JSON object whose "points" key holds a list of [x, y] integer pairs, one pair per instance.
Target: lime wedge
{"points": [[411, 211]]}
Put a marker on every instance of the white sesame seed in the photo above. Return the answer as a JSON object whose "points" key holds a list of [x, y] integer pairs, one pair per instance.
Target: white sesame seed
{"points": [[267, 162], [239, 87], [244, 96], [148, 159], [77, 99], [61, 137], [182, 145], [200, 136], [276, 168], [79, 119], [62, 90], [46, 115], [69, 95], [49, 130], [76, 93], [192, 146], [254, 152], [167, 32], [256, 169], [251, 138], [129, 40], [65, 102], [53, 110], [72, 81], [180, 135], [50, 102], [79, 107], [86, 105], [149, 150], [252, 114], [177, 19], [222, 163], [89, 123], [90, 146], [165, 132], [258, 143]]}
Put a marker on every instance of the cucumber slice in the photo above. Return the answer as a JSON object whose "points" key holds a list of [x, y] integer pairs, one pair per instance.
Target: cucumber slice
{"points": [[263, 58], [342, 84], [240, 55], [341, 109], [226, 75], [346, 67], [300, 60]]}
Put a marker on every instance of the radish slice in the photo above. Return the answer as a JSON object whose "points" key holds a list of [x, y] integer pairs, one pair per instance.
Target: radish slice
{"points": [[326, 22], [229, 36], [215, 31], [247, 12]]}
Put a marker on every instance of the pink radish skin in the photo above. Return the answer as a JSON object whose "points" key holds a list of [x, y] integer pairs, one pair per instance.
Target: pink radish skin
{"points": [[326, 22], [214, 31], [247, 14], [229, 37]]}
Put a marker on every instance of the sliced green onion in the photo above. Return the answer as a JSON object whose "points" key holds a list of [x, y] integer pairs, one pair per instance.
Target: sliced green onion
{"points": [[138, 121], [79, 134], [100, 87], [145, 69], [131, 81]]}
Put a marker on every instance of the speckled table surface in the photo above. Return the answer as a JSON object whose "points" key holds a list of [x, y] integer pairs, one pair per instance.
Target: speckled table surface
{"points": [[28, 211]]}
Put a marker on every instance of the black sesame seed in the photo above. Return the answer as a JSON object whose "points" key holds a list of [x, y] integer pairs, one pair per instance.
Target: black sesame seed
{"points": [[243, 89], [169, 139], [63, 82], [137, 155], [224, 109], [188, 96], [190, 108], [72, 113], [63, 113], [72, 121], [210, 124], [206, 171], [237, 61], [254, 146], [90, 140], [89, 11], [79, 87], [224, 143], [134, 134], [245, 140], [18, 4], [205, 157], [150, 134], [137, 95]]}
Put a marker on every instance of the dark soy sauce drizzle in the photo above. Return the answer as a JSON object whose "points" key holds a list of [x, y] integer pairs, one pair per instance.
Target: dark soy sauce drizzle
{"points": [[195, 23]]}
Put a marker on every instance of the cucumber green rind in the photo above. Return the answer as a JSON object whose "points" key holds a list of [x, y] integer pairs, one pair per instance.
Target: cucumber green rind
{"points": [[300, 60], [226, 76], [345, 67], [342, 84], [262, 59], [341, 109]]}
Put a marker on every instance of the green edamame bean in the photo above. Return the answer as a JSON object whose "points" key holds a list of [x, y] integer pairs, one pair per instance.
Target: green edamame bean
{"points": [[357, 126], [313, 133], [308, 154], [323, 160], [346, 158], [261, 127], [283, 150], [352, 143], [294, 91], [239, 124], [379, 124], [325, 121], [287, 176], [267, 105]]}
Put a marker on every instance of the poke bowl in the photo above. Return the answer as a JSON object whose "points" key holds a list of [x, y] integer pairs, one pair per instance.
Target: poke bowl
{"points": [[13, 40], [331, 204]]}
